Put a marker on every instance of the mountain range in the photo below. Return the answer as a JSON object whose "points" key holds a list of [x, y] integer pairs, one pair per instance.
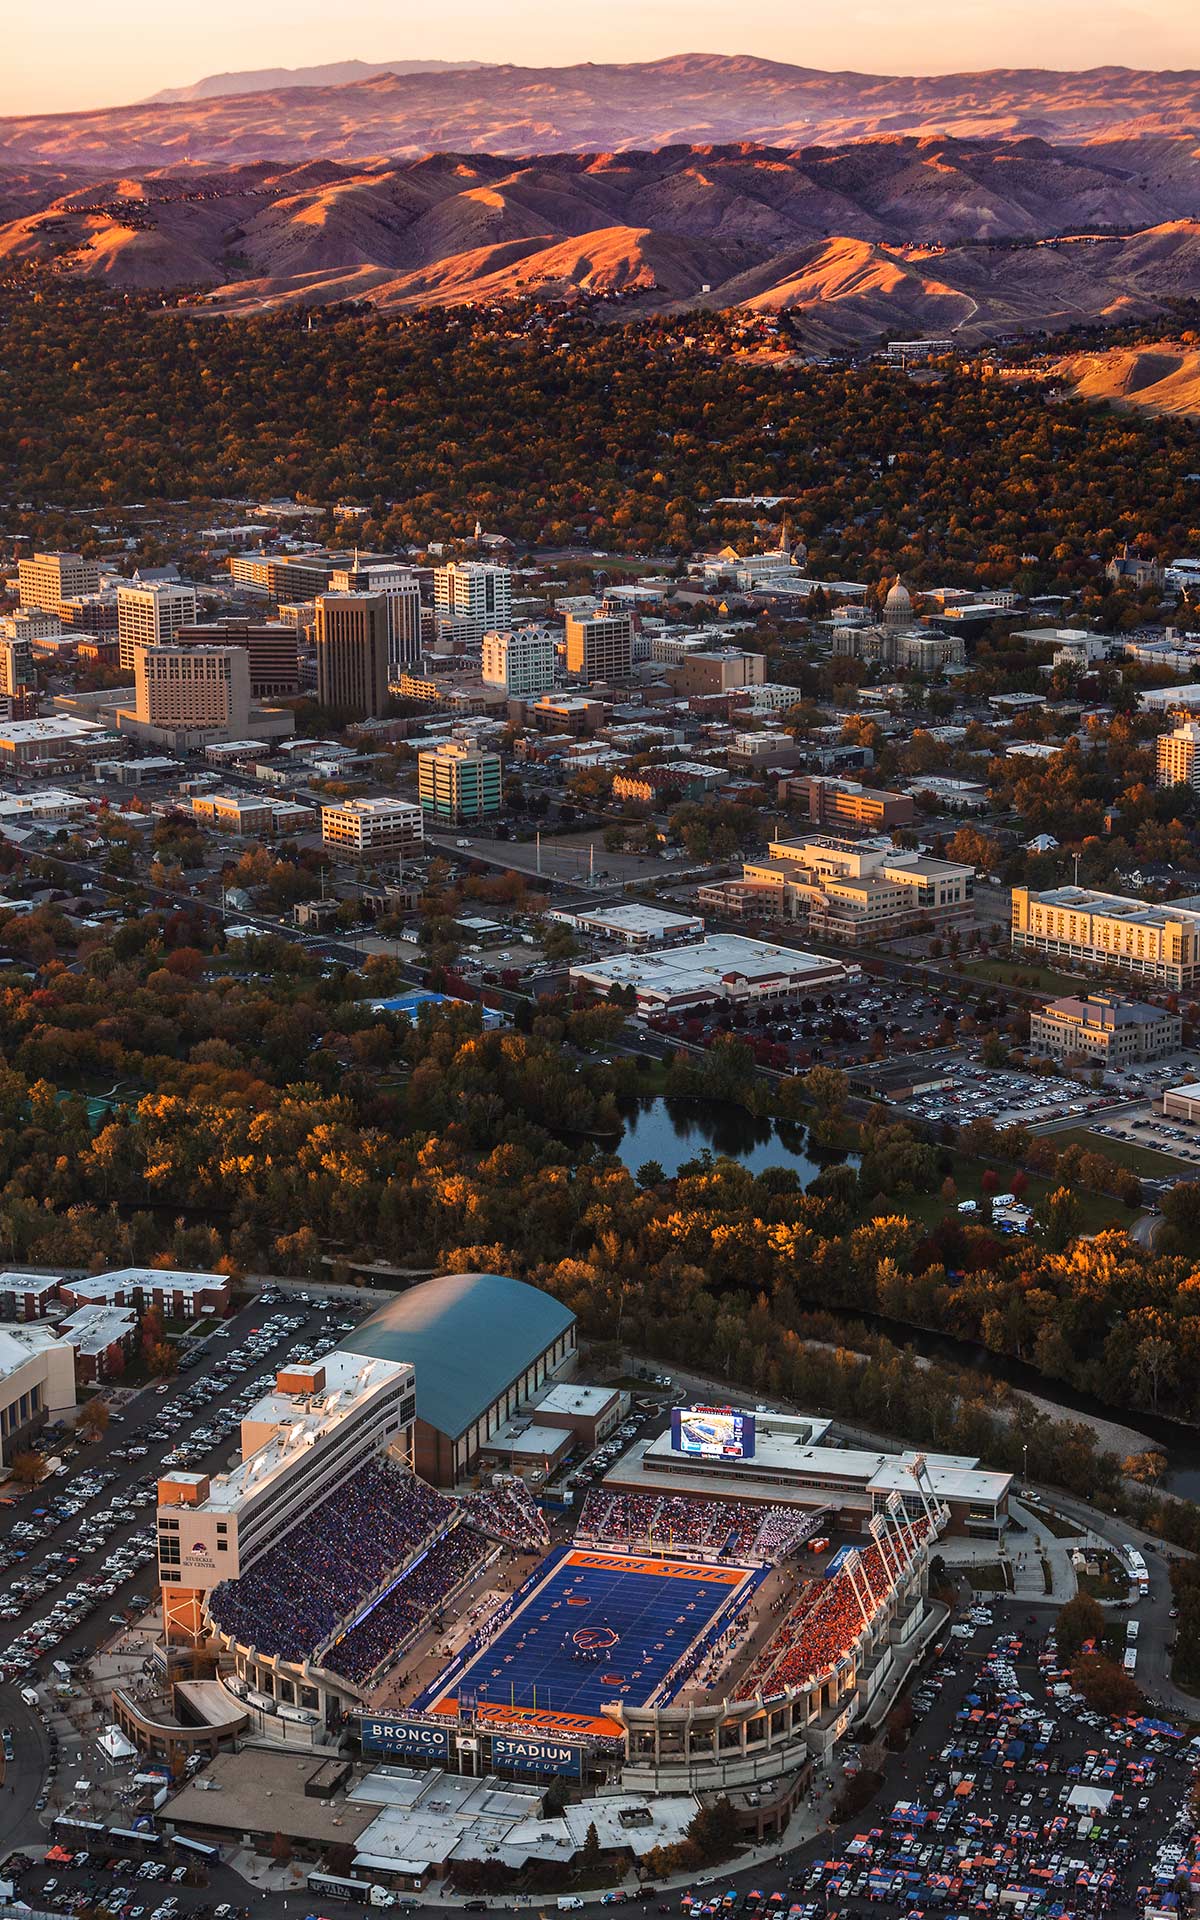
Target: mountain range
{"points": [[688, 99], [896, 232], [335, 73]]}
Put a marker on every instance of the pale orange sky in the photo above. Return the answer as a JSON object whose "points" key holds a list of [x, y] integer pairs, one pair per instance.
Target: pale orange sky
{"points": [[77, 54]]}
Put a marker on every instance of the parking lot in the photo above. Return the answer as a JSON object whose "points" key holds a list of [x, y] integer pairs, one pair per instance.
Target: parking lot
{"points": [[871, 1019], [971, 1091], [1012, 1795], [78, 1560]]}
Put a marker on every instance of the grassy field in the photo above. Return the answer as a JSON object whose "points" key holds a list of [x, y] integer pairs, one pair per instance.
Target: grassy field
{"points": [[1098, 1210], [990, 1579], [1155, 1162], [1111, 1583], [1010, 973]]}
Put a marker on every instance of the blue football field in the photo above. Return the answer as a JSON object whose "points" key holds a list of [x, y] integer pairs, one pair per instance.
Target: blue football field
{"points": [[595, 1627]]}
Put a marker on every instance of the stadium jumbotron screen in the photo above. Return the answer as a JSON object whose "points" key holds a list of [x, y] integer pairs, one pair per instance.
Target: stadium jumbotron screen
{"points": [[713, 1433]]}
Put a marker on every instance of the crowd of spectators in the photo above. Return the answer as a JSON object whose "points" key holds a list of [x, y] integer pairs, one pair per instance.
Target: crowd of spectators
{"points": [[729, 1529], [822, 1627], [508, 1512], [415, 1602], [289, 1602]]}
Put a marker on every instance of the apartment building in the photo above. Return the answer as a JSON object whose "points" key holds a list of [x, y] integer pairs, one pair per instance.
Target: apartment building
{"points": [[47, 579], [272, 652], [401, 591], [1107, 1030], [1103, 930], [471, 598], [849, 891], [522, 661], [373, 830], [352, 653], [1179, 756], [150, 614], [600, 646], [456, 781]]}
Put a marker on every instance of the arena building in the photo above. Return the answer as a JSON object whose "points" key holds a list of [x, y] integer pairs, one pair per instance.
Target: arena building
{"points": [[482, 1345]]}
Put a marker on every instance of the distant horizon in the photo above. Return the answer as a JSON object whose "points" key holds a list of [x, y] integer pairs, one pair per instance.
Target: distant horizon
{"points": [[73, 59]]}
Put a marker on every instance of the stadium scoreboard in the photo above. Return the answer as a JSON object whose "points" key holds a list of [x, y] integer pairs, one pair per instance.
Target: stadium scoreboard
{"points": [[712, 1433]]}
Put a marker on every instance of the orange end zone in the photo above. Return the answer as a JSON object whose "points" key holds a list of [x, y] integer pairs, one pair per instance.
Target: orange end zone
{"points": [[662, 1569], [563, 1724]]}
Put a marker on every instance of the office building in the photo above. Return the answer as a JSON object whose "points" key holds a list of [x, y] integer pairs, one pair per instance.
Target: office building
{"points": [[1094, 930], [91, 613], [600, 646], [192, 694], [373, 830], [240, 813], [150, 614], [1179, 756], [402, 592], [849, 891], [18, 682], [827, 801], [37, 1383], [47, 579], [719, 670], [352, 653], [272, 652], [471, 598], [522, 662], [457, 781], [1104, 1029], [30, 624], [285, 576]]}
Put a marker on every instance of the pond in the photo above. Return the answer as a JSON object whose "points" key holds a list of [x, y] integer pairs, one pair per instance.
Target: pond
{"points": [[674, 1131]]}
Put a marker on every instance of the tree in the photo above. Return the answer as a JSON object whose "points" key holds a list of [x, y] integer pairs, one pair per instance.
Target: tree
{"points": [[1106, 1686], [93, 1420], [589, 1853], [1079, 1620], [27, 1468], [715, 1830], [650, 1174]]}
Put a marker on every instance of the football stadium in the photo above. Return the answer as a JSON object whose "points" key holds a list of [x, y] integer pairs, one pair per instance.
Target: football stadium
{"points": [[703, 1619]]}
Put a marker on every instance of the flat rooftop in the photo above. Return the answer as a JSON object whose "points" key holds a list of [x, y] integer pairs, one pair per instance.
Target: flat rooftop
{"points": [[1115, 906], [414, 1820], [263, 1791], [588, 1401], [304, 1421], [706, 963]]}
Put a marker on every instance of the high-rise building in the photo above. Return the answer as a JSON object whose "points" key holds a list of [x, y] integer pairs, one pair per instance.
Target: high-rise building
{"points": [[402, 591], [46, 579], [522, 662], [193, 690], [18, 682], [384, 830], [1113, 931], [352, 653], [1179, 756], [458, 781], [150, 614], [600, 646], [31, 623], [471, 598], [271, 647]]}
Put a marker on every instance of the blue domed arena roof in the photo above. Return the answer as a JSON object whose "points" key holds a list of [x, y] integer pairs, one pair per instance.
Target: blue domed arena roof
{"points": [[469, 1336]]}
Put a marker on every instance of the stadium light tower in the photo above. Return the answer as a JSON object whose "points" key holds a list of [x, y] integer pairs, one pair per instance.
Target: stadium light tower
{"points": [[919, 1470], [893, 1566], [852, 1566], [902, 1520]]}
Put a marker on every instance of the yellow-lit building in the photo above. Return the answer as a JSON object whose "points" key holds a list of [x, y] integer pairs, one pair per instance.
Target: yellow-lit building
{"points": [[1096, 930]]}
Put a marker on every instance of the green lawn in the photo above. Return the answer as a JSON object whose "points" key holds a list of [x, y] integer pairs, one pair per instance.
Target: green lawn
{"points": [[1155, 1162], [1111, 1583], [1010, 973], [1098, 1210], [992, 1578]]}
